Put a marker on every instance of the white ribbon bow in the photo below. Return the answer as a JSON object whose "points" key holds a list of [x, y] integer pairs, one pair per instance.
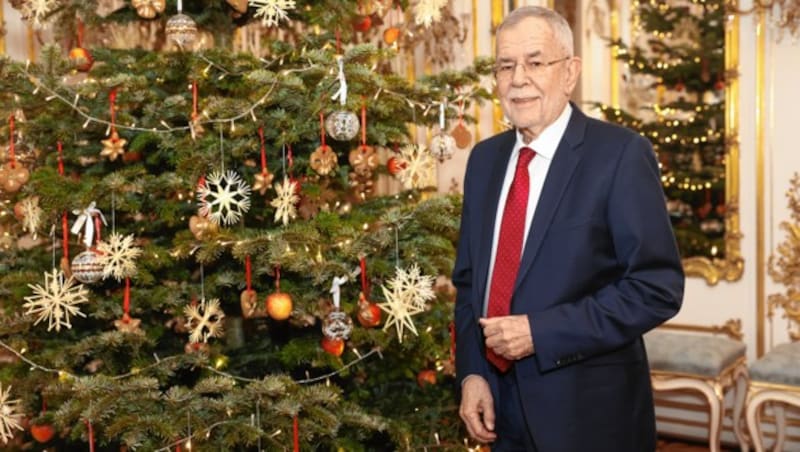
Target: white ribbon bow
{"points": [[86, 222], [341, 94]]}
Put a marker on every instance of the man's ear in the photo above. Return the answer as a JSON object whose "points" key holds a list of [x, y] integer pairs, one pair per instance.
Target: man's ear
{"points": [[572, 75]]}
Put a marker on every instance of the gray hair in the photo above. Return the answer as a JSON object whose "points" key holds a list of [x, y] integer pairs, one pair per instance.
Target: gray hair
{"points": [[558, 24]]}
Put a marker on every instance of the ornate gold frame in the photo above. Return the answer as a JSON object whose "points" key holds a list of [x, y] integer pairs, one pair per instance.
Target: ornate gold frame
{"points": [[731, 267]]}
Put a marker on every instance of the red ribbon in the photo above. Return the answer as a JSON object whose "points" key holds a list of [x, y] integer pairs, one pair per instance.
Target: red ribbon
{"points": [[65, 234], [461, 112], [126, 302], [44, 405], [322, 128], [338, 42], [97, 225], [277, 278], [112, 98], [247, 272], [194, 100], [289, 156], [91, 434], [80, 33], [60, 158], [263, 150], [363, 124], [11, 153], [296, 434], [364, 287]]}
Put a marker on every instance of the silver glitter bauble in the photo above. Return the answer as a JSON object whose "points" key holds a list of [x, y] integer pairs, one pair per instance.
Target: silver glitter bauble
{"points": [[86, 267], [181, 30], [443, 146], [337, 325], [342, 125]]}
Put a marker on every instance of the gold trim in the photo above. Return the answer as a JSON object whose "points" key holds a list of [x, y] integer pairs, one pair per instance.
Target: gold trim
{"points": [[724, 378], [757, 384], [731, 267], [497, 18], [475, 43], [760, 252], [30, 33], [731, 328], [615, 77], [3, 26]]}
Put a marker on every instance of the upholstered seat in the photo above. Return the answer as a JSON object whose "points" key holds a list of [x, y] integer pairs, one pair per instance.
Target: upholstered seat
{"points": [[708, 364], [776, 380]]}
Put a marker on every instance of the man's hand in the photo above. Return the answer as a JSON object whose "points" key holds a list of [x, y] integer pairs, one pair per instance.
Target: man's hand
{"points": [[509, 336], [477, 408]]}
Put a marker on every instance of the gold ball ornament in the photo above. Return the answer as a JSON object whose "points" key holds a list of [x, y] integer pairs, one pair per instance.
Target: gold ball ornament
{"points": [[323, 160], [342, 125], [81, 59], [181, 30], [202, 227], [148, 9], [279, 305], [86, 267], [462, 135], [364, 160], [13, 176]]}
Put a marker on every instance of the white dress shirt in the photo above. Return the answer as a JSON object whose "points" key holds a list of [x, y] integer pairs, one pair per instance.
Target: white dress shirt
{"points": [[545, 147]]}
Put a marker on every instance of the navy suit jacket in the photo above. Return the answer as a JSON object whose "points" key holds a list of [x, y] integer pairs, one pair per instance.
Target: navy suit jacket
{"points": [[600, 268]]}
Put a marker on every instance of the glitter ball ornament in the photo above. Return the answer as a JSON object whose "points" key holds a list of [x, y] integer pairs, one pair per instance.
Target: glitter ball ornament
{"points": [[81, 59], [337, 325], [342, 125], [181, 30], [87, 267], [443, 146]]}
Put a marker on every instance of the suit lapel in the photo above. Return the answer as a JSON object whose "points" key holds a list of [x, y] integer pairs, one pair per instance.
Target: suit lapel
{"points": [[562, 167], [497, 172]]}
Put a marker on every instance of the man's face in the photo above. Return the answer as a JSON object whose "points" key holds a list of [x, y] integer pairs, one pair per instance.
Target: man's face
{"points": [[535, 75]]}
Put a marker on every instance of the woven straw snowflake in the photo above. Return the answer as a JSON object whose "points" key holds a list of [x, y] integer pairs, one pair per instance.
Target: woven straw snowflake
{"points": [[32, 217], [118, 256], [418, 163], [285, 202], [9, 418], [272, 11], [224, 198], [204, 320], [427, 12], [56, 301], [36, 10], [406, 295]]}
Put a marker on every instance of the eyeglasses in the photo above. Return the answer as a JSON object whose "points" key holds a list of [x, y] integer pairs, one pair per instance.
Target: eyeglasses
{"points": [[505, 71]]}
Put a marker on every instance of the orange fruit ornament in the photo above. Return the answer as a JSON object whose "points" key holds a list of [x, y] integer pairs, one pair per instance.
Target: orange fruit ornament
{"points": [[333, 346], [42, 432], [426, 377], [394, 165], [279, 305], [390, 35], [369, 314], [363, 23], [81, 59]]}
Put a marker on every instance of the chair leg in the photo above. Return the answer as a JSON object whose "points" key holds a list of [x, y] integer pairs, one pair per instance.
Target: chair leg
{"points": [[780, 425], [753, 415], [742, 378], [713, 395]]}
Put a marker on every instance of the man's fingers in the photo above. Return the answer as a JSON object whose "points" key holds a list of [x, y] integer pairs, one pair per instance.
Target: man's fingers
{"points": [[488, 415]]}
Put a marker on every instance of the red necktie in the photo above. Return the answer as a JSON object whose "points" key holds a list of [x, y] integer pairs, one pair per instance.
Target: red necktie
{"points": [[509, 249]]}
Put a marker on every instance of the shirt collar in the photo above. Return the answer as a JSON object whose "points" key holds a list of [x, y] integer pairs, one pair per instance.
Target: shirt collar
{"points": [[546, 143]]}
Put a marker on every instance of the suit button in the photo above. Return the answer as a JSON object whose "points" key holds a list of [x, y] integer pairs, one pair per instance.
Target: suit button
{"points": [[559, 362]]}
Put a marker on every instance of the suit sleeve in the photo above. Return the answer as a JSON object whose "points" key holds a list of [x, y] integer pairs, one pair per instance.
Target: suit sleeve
{"points": [[650, 288], [469, 345]]}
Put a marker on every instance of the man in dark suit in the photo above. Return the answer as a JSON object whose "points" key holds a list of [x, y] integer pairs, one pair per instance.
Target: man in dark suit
{"points": [[566, 257]]}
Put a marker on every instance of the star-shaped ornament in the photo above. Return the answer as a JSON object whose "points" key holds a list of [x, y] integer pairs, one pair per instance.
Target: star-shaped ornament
{"points": [[263, 181], [128, 324], [113, 147]]}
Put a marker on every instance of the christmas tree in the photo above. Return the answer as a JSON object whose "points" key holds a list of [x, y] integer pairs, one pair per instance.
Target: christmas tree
{"points": [[676, 84], [194, 251]]}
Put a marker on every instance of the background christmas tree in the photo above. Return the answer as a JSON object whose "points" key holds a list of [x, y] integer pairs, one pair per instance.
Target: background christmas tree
{"points": [[200, 184], [676, 84]]}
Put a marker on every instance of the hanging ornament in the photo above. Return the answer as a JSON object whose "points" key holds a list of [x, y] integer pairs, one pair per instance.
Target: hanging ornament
{"points": [[334, 347], [272, 11], [719, 85], [87, 266], [249, 297], [426, 12], [279, 304], [406, 295], [42, 433], [395, 164], [118, 256], [29, 214], [323, 160], [415, 164], [363, 159], [37, 10], [224, 198], [337, 324], [264, 178], [12, 174], [201, 227], [240, 6], [362, 23], [443, 146], [127, 324], [390, 35], [342, 125], [56, 300], [114, 146], [426, 377], [181, 29], [10, 419], [285, 203], [369, 314], [81, 58], [204, 320], [147, 9], [195, 124], [679, 87], [460, 133]]}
